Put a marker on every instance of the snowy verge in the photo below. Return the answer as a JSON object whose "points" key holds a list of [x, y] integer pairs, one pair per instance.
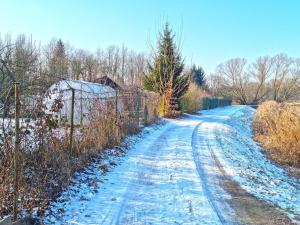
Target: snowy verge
{"points": [[230, 138], [86, 184]]}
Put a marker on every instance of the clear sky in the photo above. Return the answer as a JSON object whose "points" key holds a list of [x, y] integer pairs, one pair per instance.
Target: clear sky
{"points": [[210, 31]]}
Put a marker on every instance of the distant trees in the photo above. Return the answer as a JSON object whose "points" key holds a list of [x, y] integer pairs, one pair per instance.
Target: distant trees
{"points": [[268, 78], [232, 80], [165, 74], [23, 60], [57, 61], [197, 76], [37, 67], [19, 61]]}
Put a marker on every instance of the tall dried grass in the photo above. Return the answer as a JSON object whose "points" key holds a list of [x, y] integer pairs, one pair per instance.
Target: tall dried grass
{"points": [[277, 127], [46, 164]]}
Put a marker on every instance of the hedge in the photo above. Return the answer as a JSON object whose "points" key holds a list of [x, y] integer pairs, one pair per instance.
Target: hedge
{"points": [[211, 103]]}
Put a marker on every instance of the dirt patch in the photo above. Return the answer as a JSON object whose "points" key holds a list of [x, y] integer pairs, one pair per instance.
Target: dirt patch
{"points": [[248, 209]]}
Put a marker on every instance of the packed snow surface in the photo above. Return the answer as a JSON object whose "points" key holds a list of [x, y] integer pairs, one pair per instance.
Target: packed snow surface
{"points": [[167, 176]]}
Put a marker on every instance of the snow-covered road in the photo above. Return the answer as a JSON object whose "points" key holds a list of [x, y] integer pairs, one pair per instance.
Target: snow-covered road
{"points": [[179, 173]]}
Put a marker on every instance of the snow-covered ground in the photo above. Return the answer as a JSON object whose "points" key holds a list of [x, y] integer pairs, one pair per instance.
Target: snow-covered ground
{"points": [[230, 139], [168, 176]]}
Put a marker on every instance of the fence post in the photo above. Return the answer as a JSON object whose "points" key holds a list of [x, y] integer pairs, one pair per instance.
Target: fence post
{"points": [[145, 115], [116, 102], [17, 149], [137, 113], [81, 113], [72, 122], [117, 119]]}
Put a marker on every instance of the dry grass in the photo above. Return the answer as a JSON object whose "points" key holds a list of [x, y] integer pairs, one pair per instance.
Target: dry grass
{"points": [[277, 127], [47, 169]]}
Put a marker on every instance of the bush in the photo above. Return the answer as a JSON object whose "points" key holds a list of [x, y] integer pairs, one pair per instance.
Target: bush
{"points": [[277, 127], [191, 101]]}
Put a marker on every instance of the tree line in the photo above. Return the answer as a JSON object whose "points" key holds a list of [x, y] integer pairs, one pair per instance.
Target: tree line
{"points": [[38, 66], [268, 78]]}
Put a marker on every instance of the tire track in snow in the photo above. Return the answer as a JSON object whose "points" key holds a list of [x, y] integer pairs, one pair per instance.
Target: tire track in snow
{"points": [[247, 208], [137, 179], [176, 195], [203, 178]]}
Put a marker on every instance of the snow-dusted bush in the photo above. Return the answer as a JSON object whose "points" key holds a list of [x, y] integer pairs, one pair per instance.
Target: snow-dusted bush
{"points": [[277, 127]]}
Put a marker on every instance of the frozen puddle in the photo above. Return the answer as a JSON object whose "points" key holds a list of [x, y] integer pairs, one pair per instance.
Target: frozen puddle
{"points": [[170, 176]]}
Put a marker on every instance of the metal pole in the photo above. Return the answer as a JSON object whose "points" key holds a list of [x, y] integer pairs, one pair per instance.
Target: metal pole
{"points": [[17, 149]]}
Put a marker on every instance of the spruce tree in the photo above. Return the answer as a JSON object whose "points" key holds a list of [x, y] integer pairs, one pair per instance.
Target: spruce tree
{"points": [[58, 62], [165, 74], [198, 76]]}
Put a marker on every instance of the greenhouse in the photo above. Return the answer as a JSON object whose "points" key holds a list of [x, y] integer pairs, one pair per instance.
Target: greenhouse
{"points": [[86, 95]]}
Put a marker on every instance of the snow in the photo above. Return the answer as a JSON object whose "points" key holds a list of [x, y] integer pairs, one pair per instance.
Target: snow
{"points": [[230, 138], [168, 176], [156, 183]]}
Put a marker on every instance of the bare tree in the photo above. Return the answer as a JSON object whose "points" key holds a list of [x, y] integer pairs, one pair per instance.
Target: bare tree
{"points": [[275, 78], [260, 71], [282, 64], [57, 61], [233, 78]]}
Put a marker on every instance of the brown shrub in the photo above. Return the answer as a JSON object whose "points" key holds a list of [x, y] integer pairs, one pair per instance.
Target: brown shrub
{"points": [[277, 127], [46, 167]]}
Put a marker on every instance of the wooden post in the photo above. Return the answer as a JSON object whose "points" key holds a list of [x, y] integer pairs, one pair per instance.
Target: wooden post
{"points": [[72, 121], [145, 115], [116, 105], [81, 113], [138, 107], [117, 119], [17, 149]]}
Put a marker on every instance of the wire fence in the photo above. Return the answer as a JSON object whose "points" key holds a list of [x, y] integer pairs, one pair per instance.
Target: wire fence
{"points": [[46, 137]]}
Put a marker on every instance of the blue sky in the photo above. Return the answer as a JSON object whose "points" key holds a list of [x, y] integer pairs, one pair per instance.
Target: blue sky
{"points": [[210, 31]]}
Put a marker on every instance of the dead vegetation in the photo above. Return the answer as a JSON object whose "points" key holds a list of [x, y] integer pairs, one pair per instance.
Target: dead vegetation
{"points": [[45, 162], [277, 127]]}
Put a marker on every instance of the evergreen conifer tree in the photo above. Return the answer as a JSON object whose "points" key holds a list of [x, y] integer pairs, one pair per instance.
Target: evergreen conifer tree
{"points": [[165, 74], [198, 76]]}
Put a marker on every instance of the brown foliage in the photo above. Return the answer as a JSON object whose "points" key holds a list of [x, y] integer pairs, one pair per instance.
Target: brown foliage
{"points": [[277, 127], [46, 165]]}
